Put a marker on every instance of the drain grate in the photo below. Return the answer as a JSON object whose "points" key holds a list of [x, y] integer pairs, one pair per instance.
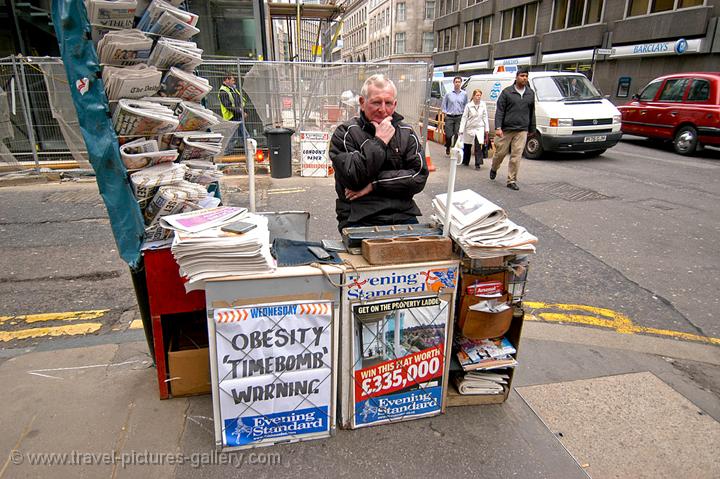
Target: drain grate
{"points": [[569, 192], [73, 197]]}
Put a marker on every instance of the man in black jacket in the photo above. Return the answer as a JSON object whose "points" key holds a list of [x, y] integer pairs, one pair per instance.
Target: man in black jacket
{"points": [[514, 119], [378, 161]]}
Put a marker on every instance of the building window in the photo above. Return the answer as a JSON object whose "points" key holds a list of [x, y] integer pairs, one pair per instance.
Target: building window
{"points": [[574, 13], [519, 22], [429, 9], [400, 42], [400, 12], [646, 7], [427, 42]]}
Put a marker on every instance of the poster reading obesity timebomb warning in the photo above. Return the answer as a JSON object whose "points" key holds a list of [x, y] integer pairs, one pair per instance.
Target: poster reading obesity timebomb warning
{"points": [[274, 371], [399, 349]]}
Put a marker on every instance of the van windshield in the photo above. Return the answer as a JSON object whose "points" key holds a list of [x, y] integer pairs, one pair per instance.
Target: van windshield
{"points": [[561, 87]]}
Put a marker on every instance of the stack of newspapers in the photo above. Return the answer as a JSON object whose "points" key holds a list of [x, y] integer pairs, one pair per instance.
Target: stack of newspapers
{"points": [[186, 86], [212, 253], [476, 382], [167, 20], [138, 117], [131, 82], [194, 145], [481, 227], [107, 15], [124, 48], [141, 153], [169, 52], [195, 117]]}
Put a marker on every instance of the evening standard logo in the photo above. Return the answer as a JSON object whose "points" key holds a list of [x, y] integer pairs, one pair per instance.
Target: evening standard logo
{"points": [[400, 283], [257, 428], [391, 407]]}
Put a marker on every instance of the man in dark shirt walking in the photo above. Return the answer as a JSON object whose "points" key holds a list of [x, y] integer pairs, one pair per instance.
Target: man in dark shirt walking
{"points": [[514, 119]]}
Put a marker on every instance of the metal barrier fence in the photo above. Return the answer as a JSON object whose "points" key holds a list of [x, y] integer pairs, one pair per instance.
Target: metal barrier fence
{"points": [[39, 126]]}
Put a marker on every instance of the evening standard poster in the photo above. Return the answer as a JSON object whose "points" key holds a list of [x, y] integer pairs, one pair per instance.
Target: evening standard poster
{"points": [[399, 353], [274, 372]]}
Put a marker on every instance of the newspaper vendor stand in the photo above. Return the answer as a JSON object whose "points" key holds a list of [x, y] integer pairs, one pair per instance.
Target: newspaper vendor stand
{"points": [[273, 342], [396, 336]]}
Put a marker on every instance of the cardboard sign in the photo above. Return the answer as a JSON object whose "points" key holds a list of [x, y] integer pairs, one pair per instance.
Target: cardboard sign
{"points": [[313, 153]]}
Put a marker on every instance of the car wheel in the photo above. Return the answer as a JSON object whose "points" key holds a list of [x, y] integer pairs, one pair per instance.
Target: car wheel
{"points": [[533, 147], [595, 153], [685, 141]]}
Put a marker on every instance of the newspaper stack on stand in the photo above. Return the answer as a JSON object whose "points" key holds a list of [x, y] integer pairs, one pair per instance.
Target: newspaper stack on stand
{"points": [[169, 52], [186, 86], [204, 252], [106, 15], [131, 82], [124, 48], [481, 227], [138, 117]]}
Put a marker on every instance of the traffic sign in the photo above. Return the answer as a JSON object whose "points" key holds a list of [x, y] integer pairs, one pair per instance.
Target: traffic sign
{"points": [[605, 51]]}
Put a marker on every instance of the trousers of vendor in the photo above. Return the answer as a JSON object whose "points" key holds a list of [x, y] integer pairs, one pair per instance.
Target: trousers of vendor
{"points": [[453, 105], [378, 160], [232, 103]]}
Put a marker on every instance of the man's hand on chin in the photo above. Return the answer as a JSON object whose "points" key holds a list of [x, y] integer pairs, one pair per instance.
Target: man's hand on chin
{"points": [[351, 195], [384, 130]]}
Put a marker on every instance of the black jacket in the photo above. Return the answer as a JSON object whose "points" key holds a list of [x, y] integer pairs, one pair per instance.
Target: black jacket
{"points": [[515, 113], [397, 171]]}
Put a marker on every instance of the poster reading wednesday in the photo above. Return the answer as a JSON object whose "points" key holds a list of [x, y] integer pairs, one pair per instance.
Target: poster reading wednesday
{"points": [[274, 371]]}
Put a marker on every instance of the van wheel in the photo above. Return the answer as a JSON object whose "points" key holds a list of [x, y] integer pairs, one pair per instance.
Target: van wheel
{"points": [[685, 141], [595, 153], [533, 147]]}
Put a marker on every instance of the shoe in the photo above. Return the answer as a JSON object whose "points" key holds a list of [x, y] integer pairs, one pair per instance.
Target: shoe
{"points": [[447, 151], [465, 164], [477, 167], [493, 174], [481, 162], [513, 186]]}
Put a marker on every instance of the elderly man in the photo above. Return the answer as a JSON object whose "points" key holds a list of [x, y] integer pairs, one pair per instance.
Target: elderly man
{"points": [[378, 161]]}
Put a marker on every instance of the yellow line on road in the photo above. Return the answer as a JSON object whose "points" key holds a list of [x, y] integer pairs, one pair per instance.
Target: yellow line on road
{"points": [[602, 317], [285, 191], [136, 324], [68, 330], [67, 316]]}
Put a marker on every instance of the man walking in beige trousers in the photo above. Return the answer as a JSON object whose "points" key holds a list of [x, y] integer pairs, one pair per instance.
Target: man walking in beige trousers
{"points": [[514, 119]]}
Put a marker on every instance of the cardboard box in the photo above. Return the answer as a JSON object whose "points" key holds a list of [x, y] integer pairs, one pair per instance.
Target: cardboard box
{"points": [[189, 371]]}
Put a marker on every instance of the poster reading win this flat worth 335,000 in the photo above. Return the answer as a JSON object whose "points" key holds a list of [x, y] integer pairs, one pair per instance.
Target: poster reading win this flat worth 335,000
{"points": [[275, 379], [399, 350]]}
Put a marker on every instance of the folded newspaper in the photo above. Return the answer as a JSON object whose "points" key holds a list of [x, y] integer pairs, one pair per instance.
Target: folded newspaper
{"points": [[202, 172], [138, 117], [107, 15], [196, 221], [195, 117], [169, 52], [124, 48], [481, 227], [131, 82], [186, 86], [164, 19], [142, 153], [172, 199], [146, 182]]}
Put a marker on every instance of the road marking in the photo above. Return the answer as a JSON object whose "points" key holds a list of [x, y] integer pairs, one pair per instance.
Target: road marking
{"points": [[693, 164], [285, 191], [136, 324], [53, 331], [602, 317], [67, 316]]}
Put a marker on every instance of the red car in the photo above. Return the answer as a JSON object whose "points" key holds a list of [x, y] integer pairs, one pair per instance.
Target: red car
{"points": [[683, 108]]}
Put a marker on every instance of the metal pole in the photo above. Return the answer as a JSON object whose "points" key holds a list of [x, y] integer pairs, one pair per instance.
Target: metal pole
{"points": [[450, 189], [592, 74], [428, 87], [26, 112], [249, 160]]}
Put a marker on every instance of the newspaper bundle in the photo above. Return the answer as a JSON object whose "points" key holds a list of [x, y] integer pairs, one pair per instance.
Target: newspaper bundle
{"points": [[213, 253], [202, 172], [481, 227], [164, 19], [106, 15], [169, 52], [124, 48], [137, 117], [146, 182], [195, 117], [186, 86], [142, 153], [131, 82], [172, 199]]}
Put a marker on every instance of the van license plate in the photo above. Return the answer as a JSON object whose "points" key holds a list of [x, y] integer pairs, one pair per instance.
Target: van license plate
{"points": [[591, 139]]}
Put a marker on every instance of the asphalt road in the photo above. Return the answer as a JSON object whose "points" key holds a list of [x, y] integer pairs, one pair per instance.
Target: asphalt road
{"points": [[635, 231]]}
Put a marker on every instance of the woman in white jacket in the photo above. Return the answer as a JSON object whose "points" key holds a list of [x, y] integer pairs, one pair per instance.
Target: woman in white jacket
{"points": [[474, 129]]}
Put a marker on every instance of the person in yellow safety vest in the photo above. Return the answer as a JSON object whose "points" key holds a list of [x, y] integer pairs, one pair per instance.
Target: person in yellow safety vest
{"points": [[231, 100]]}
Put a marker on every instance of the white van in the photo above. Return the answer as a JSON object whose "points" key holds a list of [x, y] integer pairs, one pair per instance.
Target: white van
{"points": [[570, 113]]}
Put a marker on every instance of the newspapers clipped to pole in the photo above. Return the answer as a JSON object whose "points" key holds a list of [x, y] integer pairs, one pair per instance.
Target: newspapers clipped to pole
{"points": [[168, 140]]}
